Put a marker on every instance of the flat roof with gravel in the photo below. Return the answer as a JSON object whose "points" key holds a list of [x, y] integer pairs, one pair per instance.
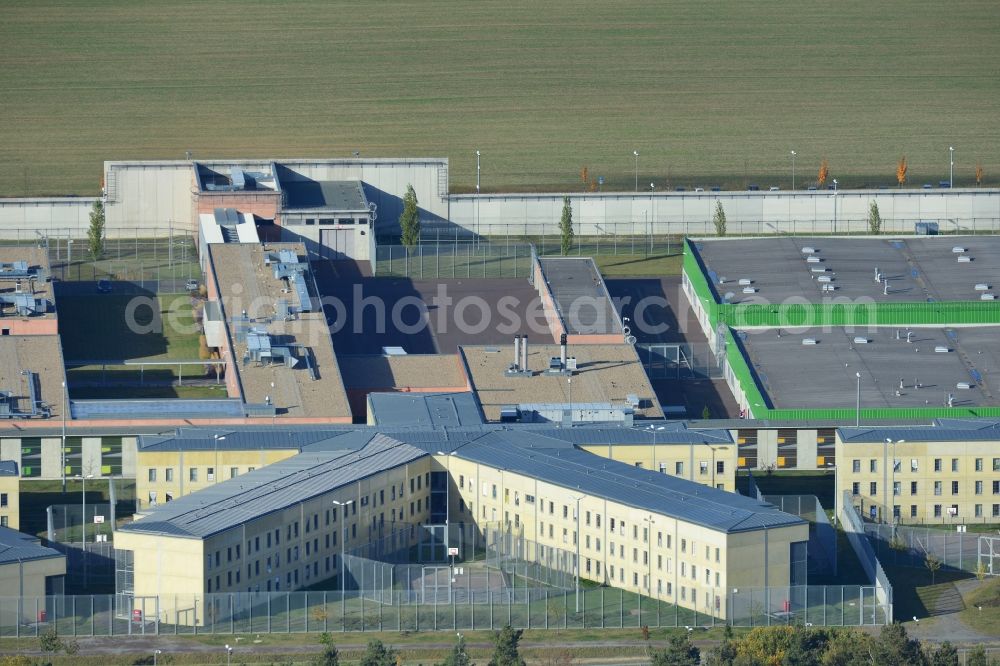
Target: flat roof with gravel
{"points": [[36, 258], [607, 374], [417, 371], [245, 283], [40, 354], [917, 269], [797, 375]]}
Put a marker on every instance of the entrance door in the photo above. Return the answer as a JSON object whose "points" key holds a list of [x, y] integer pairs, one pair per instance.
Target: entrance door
{"points": [[337, 243]]}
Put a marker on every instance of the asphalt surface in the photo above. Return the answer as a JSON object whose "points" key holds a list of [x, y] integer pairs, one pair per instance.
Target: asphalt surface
{"points": [[424, 316]]}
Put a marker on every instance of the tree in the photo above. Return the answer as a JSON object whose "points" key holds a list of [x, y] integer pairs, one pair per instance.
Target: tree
{"points": [[945, 655], [680, 652], [848, 648], [377, 654], [977, 657], [765, 645], [901, 171], [933, 563], [824, 172], [458, 656], [329, 656], [585, 175], [894, 648], [874, 220], [95, 234], [566, 227], [723, 654], [409, 220], [979, 174], [505, 650], [806, 647], [706, 413], [719, 220]]}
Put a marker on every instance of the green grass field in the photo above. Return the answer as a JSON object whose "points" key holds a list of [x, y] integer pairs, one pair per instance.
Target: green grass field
{"points": [[100, 328], [714, 93]]}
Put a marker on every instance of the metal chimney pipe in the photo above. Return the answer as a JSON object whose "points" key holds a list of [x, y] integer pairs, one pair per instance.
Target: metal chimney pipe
{"points": [[517, 352], [524, 353], [562, 350]]}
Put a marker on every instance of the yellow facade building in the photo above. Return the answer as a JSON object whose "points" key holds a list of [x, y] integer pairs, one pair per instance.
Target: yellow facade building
{"points": [[29, 570], [10, 503], [281, 528], [944, 474]]}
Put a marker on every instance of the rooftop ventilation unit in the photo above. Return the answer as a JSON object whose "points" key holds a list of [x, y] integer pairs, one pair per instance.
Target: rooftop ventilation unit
{"points": [[809, 341], [745, 282], [982, 286], [25, 305], [824, 278], [287, 267], [987, 297], [965, 386], [940, 349], [813, 259], [964, 259], [809, 250], [861, 341], [958, 250]]}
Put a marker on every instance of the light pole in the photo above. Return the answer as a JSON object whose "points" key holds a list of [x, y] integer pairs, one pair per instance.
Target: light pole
{"points": [[156, 652], [885, 473], [447, 501], [229, 654], [652, 215], [636, 153], [857, 407], [654, 430], [649, 553], [83, 522], [951, 167], [577, 568], [834, 206], [62, 455], [793, 170], [217, 438], [343, 550], [477, 194]]}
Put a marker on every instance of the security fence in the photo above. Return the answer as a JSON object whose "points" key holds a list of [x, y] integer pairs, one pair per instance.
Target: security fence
{"points": [[822, 535], [819, 605], [679, 360], [911, 546], [853, 526], [741, 222], [428, 261]]}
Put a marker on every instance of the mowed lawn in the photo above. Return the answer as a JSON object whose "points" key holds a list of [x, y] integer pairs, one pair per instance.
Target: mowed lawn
{"points": [[709, 93], [102, 327]]}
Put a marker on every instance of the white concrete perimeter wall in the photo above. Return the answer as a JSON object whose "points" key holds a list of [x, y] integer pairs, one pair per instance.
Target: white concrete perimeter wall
{"points": [[385, 182], [20, 218], [691, 213], [153, 195]]}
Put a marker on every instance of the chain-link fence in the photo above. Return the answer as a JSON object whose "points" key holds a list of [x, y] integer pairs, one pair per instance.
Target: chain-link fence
{"points": [[428, 261], [628, 235], [679, 360], [910, 547], [853, 526], [822, 535], [157, 264]]}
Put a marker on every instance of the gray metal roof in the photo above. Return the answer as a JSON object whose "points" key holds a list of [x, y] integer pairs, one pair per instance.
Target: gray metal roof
{"points": [[333, 195], [204, 439], [561, 464], [272, 488], [950, 433], [673, 432], [425, 409], [15, 546], [8, 468], [581, 296]]}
